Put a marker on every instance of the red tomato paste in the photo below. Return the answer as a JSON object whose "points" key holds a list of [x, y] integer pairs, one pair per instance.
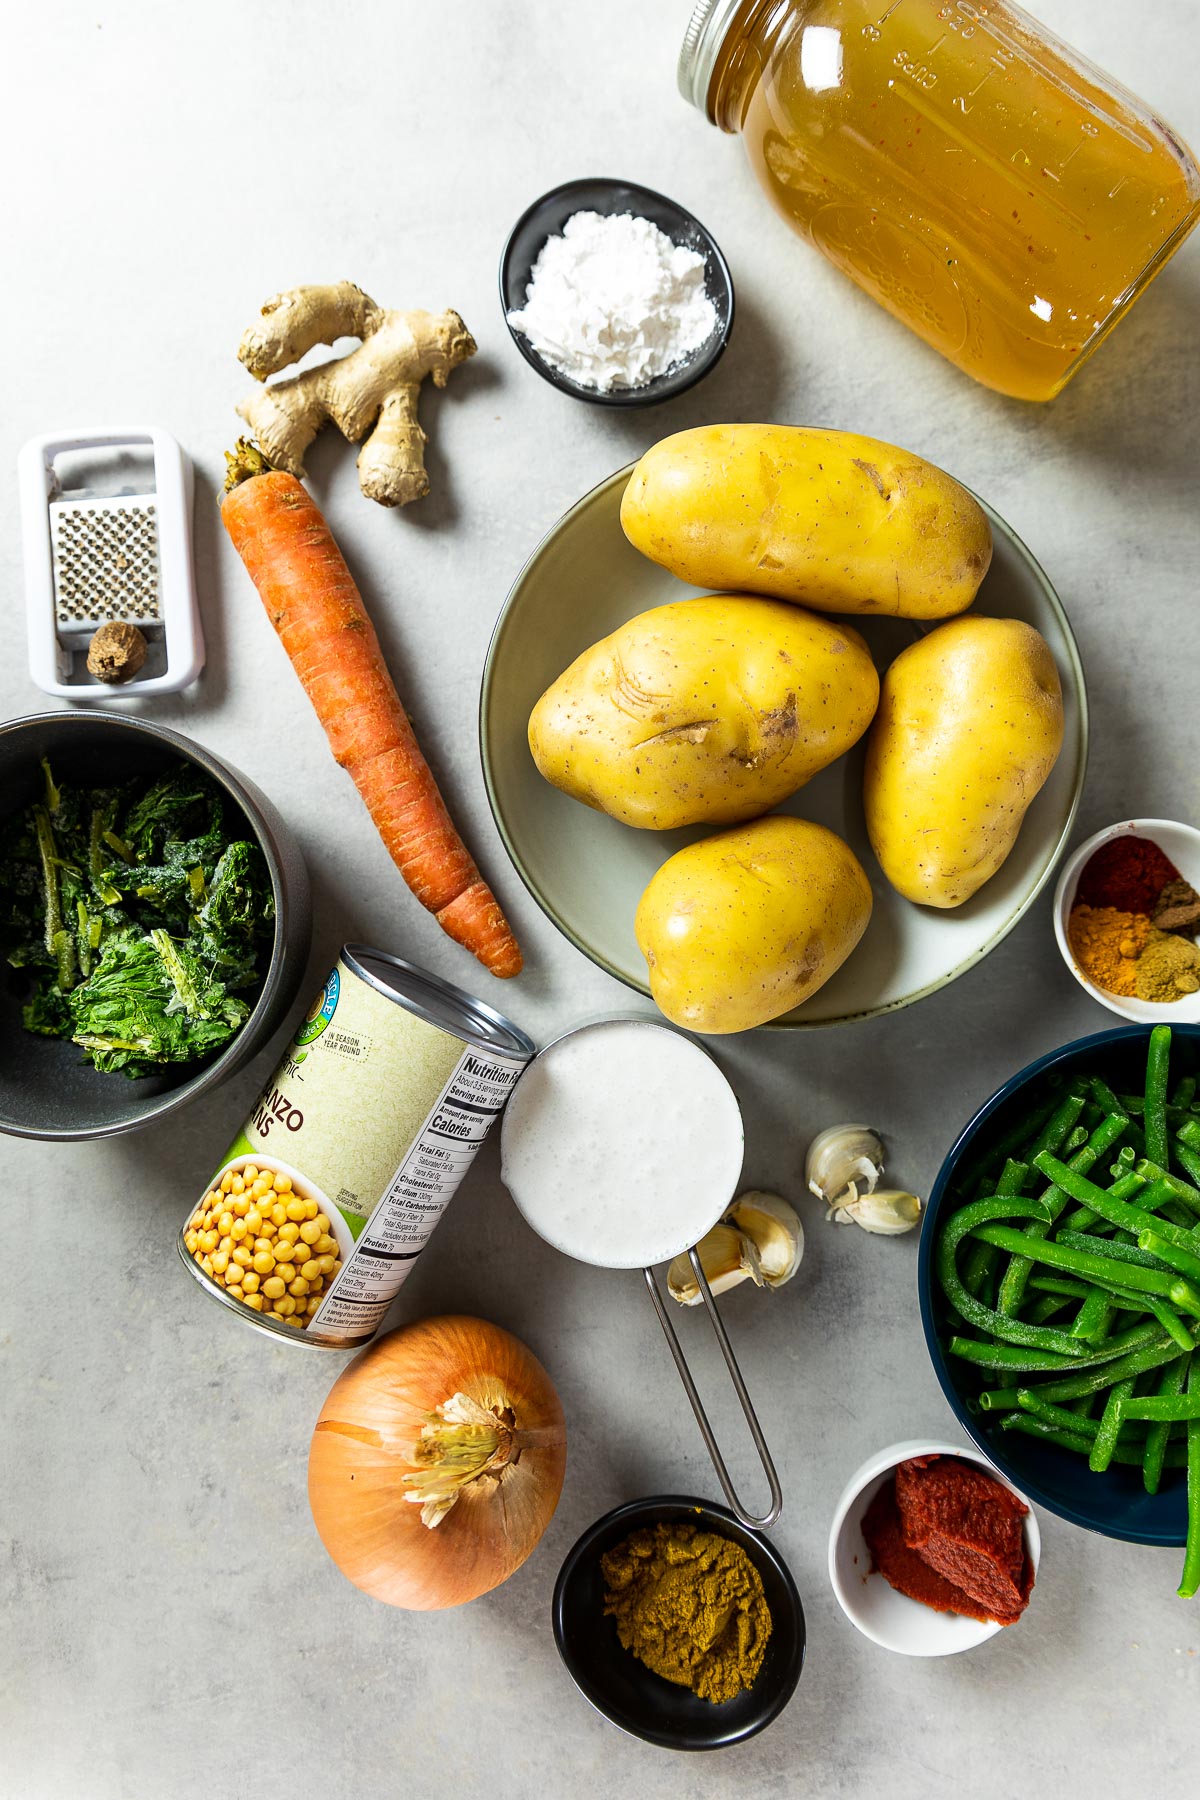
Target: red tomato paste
{"points": [[947, 1534]]}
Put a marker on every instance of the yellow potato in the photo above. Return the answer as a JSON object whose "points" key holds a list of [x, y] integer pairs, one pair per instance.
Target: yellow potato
{"points": [[840, 523], [970, 724], [709, 710], [745, 925]]}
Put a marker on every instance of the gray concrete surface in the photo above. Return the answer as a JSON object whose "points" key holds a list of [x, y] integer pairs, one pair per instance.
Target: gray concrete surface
{"points": [[172, 1628]]}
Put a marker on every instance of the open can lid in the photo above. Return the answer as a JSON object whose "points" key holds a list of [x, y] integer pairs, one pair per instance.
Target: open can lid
{"points": [[706, 32]]}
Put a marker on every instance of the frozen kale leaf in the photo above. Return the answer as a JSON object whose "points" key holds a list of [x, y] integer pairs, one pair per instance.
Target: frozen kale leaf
{"points": [[150, 1001], [131, 914]]}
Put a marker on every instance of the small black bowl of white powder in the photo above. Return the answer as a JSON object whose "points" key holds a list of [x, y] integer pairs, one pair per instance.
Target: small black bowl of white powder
{"points": [[615, 294]]}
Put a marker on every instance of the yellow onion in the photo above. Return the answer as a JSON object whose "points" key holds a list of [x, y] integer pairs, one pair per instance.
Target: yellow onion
{"points": [[437, 1462]]}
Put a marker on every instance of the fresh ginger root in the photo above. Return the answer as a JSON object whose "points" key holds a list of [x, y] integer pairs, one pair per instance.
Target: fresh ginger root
{"points": [[372, 390]]}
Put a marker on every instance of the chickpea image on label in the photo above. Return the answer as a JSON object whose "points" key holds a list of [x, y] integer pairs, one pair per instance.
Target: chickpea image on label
{"points": [[265, 1244]]}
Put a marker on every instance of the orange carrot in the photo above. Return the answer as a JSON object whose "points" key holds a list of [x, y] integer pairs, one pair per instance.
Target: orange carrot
{"points": [[314, 605]]}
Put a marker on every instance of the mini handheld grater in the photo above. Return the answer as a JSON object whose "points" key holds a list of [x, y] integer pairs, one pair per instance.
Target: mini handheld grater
{"points": [[96, 554]]}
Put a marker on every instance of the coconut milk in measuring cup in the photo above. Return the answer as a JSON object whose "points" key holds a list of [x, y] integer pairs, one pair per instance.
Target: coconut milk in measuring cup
{"points": [[622, 1147], [352, 1152]]}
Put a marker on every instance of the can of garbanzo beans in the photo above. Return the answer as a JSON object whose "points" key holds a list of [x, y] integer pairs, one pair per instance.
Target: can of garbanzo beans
{"points": [[332, 1188]]}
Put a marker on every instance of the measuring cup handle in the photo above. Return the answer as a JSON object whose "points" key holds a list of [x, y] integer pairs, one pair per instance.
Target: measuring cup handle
{"points": [[735, 1374]]}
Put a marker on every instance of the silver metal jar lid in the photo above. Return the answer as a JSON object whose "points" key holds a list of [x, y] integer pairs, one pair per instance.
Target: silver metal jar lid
{"points": [[706, 33]]}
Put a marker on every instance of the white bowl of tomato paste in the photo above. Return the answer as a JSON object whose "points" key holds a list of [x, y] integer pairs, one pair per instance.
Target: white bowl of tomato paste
{"points": [[923, 1530]]}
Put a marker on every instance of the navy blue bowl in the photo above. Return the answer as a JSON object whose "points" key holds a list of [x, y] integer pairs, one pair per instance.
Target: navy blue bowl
{"points": [[1115, 1503], [624, 1689]]}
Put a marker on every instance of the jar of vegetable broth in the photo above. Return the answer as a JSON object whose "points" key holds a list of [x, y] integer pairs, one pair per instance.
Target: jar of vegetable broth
{"points": [[983, 182]]}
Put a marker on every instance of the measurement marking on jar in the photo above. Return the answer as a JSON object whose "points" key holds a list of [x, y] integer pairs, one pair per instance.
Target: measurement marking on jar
{"points": [[935, 113], [920, 72], [873, 33], [959, 18]]}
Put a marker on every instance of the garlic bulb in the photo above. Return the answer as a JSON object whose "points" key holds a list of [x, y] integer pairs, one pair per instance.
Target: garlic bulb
{"points": [[760, 1239], [843, 1163], [885, 1211]]}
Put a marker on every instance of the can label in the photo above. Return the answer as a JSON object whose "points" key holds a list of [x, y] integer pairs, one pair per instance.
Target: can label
{"points": [[350, 1155]]}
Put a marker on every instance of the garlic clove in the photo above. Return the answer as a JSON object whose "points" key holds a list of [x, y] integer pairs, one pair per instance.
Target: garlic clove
{"points": [[886, 1212], [774, 1229], [844, 1162], [727, 1257]]}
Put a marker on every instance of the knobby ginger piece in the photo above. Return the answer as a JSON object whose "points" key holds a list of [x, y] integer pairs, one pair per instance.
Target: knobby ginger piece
{"points": [[371, 393]]}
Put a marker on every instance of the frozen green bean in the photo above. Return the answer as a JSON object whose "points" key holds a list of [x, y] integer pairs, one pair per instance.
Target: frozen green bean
{"points": [[1045, 1307], [1011, 1357], [1018, 1137], [1115, 1250], [1104, 1443], [1153, 1355], [1059, 1284], [1154, 1120], [1188, 1160], [1181, 1190], [1074, 1262], [983, 1318], [1016, 1277], [1081, 1445], [1189, 1133], [1110, 1205], [1171, 1382], [1186, 1262], [1191, 1556], [1159, 1409], [1094, 1316], [981, 1259]]}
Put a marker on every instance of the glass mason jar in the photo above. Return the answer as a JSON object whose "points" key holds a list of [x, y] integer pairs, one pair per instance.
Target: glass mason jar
{"points": [[975, 176]]}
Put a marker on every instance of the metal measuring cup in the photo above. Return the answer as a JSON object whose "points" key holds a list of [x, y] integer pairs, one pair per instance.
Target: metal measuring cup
{"points": [[705, 1219]]}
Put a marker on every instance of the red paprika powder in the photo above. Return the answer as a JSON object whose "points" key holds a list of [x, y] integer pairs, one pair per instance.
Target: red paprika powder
{"points": [[1128, 873]]}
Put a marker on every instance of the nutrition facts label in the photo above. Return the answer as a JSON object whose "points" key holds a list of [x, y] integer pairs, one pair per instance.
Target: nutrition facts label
{"points": [[417, 1195]]}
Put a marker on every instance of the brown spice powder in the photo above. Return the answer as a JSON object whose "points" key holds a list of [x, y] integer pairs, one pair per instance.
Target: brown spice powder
{"points": [[1168, 968]]}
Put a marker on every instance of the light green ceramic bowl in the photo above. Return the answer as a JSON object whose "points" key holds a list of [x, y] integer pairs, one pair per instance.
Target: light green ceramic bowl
{"points": [[587, 872]]}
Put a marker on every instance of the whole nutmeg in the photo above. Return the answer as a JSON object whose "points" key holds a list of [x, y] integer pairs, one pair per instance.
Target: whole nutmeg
{"points": [[116, 653]]}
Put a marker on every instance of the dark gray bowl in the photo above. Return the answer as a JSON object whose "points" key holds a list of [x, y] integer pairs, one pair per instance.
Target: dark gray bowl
{"points": [[546, 218], [631, 1695], [47, 1089]]}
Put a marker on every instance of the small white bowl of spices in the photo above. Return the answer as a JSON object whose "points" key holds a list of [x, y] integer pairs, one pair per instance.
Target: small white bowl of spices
{"points": [[1126, 917], [615, 294]]}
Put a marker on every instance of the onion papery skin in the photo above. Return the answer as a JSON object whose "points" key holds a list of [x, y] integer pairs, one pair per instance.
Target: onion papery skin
{"points": [[362, 1448]]}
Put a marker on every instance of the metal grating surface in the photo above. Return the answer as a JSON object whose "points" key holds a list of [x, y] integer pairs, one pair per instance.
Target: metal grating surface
{"points": [[105, 560]]}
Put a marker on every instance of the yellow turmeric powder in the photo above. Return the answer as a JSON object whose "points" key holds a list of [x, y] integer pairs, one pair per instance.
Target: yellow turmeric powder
{"points": [[1106, 944], [690, 1605]]}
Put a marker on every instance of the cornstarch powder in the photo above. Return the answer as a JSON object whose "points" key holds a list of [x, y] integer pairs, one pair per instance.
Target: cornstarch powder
{"points": [[613, 303]]}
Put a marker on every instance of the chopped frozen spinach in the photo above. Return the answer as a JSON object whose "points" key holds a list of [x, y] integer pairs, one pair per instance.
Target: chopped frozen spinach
{"points": [[135, 918]]}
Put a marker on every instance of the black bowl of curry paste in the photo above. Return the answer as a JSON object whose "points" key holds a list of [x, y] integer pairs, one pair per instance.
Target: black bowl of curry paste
{"points": [[648, 1705]]}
